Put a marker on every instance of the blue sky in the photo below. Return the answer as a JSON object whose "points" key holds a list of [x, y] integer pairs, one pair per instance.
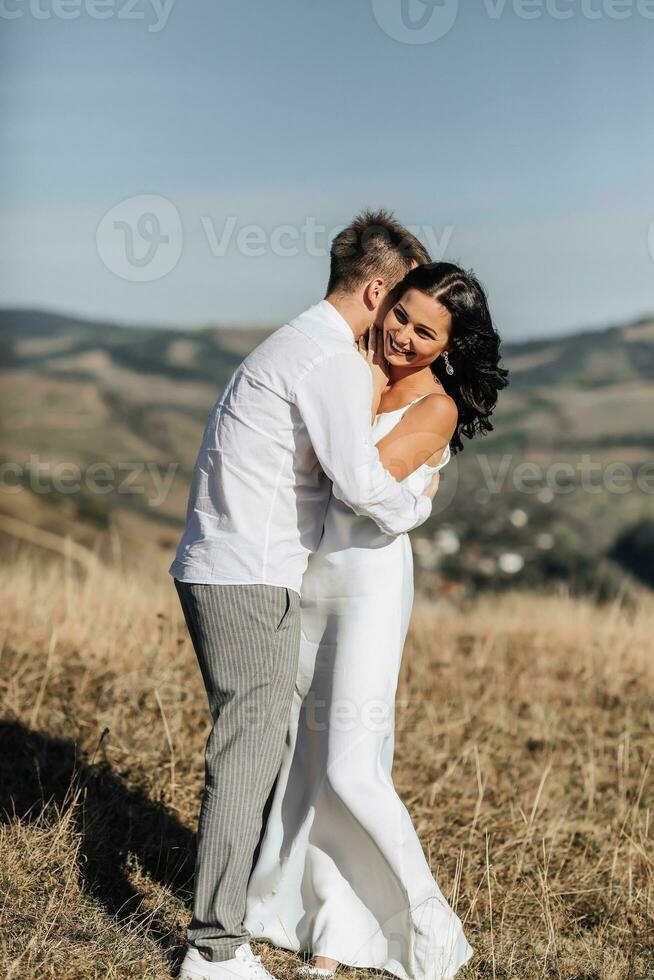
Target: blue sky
{"points": [[520, 143]]}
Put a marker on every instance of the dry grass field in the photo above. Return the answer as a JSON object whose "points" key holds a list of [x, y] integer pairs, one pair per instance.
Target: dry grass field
{"points": [[524, 753]]}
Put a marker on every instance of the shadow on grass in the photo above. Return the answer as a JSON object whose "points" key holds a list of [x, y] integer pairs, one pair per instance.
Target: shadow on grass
{"points": [[113, 821]]}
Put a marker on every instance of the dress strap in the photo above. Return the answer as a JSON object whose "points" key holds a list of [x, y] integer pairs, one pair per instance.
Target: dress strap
{"points": [[426, 395]]}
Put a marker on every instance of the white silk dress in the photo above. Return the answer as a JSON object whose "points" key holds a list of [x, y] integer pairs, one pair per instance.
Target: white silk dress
{"points": [[340, 870]]}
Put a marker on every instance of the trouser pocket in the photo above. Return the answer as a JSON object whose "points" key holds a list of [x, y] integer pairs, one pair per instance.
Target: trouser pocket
{"points": [[291, 602]]}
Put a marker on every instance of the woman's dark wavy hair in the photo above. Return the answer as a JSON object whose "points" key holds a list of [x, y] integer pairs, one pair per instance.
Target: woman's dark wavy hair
{"points": [[473, 348]]}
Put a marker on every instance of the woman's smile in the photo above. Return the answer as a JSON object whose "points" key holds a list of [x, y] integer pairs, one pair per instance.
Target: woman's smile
{"points": [[392, 348]]}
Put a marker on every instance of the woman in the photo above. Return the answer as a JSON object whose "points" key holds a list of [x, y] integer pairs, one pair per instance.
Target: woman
{"points": [[340, 873]]}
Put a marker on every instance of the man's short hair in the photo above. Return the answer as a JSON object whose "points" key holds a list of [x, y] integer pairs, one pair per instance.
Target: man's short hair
{"points": [[373, 245]]}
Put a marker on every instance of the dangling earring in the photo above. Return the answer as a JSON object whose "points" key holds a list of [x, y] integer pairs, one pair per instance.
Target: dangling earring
{"points": [[448, 366]]}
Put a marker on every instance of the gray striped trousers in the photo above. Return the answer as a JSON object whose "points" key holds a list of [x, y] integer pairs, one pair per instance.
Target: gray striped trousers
{"points": [[247, 640]]}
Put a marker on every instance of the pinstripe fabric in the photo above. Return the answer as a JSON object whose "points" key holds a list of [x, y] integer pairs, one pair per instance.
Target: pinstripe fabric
{"points": [[246, 638]]}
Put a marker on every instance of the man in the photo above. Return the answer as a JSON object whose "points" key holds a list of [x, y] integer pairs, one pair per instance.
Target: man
{"points": [[293, 426]]}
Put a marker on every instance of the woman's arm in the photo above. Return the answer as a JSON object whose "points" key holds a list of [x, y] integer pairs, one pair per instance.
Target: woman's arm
{"points": [[333, 399], [424, 431]]}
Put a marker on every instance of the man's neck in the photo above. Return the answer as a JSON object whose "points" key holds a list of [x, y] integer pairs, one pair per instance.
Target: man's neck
{"points": [[357, 318]]}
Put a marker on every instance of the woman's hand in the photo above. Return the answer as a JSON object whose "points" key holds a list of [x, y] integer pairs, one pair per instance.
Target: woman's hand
{"points": [[371, 346]]}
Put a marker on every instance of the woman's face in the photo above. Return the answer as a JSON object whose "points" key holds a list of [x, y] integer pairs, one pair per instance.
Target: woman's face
{"points": [[416, 330]]}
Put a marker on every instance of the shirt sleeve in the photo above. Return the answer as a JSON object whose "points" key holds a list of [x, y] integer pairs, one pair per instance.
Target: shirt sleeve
{"points": [[334, 399]]}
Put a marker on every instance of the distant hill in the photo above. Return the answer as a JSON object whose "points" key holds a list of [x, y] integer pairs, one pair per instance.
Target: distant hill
{"points": [[56, 343], [78, 392], [586, 390]]}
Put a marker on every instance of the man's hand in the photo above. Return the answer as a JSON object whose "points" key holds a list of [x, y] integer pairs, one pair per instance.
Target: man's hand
{"points": [[433, 486], [371, 348]]}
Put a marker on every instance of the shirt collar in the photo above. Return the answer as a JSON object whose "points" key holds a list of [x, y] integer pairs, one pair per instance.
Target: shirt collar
{"points": [[333, 318]]}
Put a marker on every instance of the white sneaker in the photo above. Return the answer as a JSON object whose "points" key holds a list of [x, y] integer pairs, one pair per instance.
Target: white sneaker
{"points": [[243, 966]]}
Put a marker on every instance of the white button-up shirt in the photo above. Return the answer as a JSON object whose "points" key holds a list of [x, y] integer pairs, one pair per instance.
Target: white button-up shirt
{"points": [[292, 426]]}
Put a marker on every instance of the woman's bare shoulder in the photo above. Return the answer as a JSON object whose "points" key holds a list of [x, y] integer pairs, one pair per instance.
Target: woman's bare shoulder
{"points": [[437, 411]]}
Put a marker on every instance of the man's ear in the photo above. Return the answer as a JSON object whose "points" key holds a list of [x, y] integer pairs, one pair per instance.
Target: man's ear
{"points": [[374, 293]]}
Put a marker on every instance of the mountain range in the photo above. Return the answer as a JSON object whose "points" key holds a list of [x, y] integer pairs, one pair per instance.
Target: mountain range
{"points": [[566, 466]]}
